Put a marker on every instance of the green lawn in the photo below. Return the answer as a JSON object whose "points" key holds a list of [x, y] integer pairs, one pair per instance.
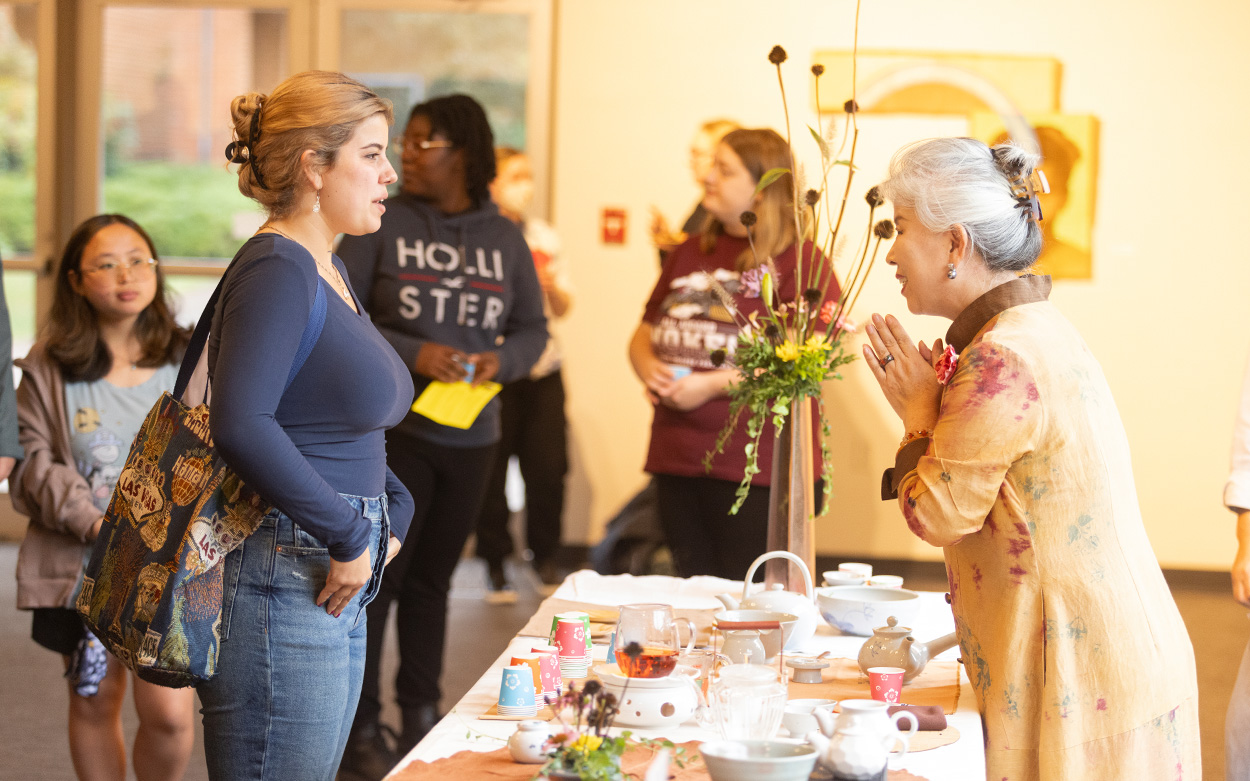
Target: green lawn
{"points": [[188, 209]]}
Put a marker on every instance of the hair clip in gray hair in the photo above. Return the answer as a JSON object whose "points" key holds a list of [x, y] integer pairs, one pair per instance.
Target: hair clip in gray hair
{"points": [[1025, 189]]}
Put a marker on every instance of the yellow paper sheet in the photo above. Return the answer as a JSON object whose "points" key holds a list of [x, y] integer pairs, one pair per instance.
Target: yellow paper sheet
{"points": [[454, 404]]}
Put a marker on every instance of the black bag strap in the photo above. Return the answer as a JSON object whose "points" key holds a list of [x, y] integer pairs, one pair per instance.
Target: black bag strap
{"points": [[199, 338]]}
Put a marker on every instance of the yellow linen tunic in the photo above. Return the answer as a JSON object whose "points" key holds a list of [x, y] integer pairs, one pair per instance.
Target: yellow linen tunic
{"points": [[1081, 665]]}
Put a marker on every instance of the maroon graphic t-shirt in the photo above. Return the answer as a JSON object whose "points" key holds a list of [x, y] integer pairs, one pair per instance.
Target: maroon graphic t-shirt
{"points": [[688, 322]]}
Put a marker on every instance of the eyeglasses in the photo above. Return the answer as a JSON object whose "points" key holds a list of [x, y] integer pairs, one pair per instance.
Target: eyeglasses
{"points": [[139, 267], [420, 146]]}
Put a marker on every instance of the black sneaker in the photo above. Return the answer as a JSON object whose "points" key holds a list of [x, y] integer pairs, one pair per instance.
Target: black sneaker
{"points": [[418, 721], [499, 590], [368, 756]]}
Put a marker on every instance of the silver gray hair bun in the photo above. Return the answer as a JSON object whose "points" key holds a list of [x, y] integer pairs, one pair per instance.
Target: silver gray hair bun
{"points": [[961, 181]]}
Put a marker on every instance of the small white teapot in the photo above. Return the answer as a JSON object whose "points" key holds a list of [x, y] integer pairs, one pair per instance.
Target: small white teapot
{"points": [[778, 600], [858, 745], [528, 745]]}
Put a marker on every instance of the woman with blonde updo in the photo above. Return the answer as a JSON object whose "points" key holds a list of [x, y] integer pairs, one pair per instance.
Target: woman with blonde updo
{"points": [[310, 441], [1014, 462]]}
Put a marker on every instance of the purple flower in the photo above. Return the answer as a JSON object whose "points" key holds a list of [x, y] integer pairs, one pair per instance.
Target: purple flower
{"points": [[751, 282]]}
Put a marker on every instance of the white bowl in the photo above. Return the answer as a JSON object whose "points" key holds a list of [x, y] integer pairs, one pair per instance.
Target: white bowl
{"points": [[835, 577], [857, 610], [798, 718], [758, 760]]}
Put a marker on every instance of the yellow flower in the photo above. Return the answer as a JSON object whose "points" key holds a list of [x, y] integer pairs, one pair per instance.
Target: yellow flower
{"points": [[587, 743], [787, 351], [816, 343]]}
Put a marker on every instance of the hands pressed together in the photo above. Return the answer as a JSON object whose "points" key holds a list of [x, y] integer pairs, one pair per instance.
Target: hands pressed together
{"points": [[905, 371]]}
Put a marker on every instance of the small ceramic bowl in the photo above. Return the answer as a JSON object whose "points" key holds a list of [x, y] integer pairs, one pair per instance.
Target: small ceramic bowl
{"points": [[758, 760], [834, 577], [886, 581], [857, 610], [798, 718]]}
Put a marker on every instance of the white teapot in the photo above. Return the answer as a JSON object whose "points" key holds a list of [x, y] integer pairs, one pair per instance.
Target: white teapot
{"points": [[778, 600], [858, 745]]}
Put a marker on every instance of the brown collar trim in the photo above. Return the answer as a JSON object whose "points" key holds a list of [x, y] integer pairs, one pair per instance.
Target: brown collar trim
{"points": [[1024, 290]]}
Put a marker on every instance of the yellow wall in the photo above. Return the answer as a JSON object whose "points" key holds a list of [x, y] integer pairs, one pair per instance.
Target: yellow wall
{"points": [[1164, 310]]}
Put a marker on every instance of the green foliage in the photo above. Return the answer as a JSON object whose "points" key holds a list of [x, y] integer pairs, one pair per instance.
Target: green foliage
{"points": [[770, 176], [187, 209], [17, 212], [601, 763]]}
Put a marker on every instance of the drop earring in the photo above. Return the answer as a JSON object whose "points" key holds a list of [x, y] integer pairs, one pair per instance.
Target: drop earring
{"points": [[950, 271], [317, 204]]}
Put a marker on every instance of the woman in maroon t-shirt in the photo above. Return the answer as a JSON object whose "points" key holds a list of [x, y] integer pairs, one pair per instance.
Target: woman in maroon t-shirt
{"points": [[683, 323]]}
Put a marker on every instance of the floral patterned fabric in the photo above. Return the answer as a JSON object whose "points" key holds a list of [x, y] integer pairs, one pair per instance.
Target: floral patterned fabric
{"points": [[1080, 661]]}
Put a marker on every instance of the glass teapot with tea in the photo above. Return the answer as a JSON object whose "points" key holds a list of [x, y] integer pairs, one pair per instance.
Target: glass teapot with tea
{"points": [[655, 630]]}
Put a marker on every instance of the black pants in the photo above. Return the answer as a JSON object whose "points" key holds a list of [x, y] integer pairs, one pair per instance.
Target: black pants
{"points": [[533, 431], [704, 538], [447, 485]]}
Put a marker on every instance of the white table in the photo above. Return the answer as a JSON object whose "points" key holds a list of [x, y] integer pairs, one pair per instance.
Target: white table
{"points": [[461, 729]]}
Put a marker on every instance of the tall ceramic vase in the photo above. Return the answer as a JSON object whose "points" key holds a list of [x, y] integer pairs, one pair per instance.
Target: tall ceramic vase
{"points": [[791, 503]]}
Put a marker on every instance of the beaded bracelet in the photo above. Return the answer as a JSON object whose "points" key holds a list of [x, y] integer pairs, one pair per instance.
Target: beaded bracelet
{"points": [[912, 436]]}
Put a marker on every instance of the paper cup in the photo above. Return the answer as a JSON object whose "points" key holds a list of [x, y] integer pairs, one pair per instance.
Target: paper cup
{"points": [[516, 690], [570, 638], [534, 662], [569, 614], [886, 683]]}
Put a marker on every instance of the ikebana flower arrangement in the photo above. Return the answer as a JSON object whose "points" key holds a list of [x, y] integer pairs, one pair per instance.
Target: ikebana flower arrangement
{"points": [[583, 749], [785, 355]]}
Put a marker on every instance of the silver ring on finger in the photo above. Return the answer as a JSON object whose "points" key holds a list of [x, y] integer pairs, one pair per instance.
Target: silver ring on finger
{"points": [[886, 360]]}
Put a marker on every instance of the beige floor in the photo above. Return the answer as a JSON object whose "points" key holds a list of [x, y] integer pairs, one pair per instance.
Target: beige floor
{"points": [[33, 698]]}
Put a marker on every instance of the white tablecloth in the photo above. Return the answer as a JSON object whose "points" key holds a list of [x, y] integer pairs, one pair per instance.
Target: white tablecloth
{"points": [[461, 729]]}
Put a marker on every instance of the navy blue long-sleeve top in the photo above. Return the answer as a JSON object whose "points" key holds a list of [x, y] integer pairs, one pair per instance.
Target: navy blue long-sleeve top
{"points": [[324, 435]]}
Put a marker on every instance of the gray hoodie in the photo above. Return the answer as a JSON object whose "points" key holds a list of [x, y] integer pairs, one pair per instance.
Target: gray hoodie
{"points": [[465, 280]]}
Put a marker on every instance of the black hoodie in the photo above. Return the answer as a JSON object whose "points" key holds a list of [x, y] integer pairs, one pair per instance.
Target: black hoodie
{"points": [[465, 280]]}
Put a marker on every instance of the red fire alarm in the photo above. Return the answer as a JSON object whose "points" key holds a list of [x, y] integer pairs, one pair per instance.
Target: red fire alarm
{"points": [[613, 223]]}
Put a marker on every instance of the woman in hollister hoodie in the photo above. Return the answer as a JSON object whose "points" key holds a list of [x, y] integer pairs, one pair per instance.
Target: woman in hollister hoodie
{"points": [[451, 284]]}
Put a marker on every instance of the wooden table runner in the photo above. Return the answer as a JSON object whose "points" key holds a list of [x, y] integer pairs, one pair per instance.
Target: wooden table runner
{"points": [[498, 764], [842, 680]]}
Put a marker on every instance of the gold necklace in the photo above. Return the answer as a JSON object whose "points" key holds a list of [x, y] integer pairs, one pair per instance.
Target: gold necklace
{"points": [[331, 274]]}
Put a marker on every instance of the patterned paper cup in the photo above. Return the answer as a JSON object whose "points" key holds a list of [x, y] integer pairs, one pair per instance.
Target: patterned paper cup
{"points": [[516, 690], [534, 662], [886, 683], [570, 638], [578, 614]]}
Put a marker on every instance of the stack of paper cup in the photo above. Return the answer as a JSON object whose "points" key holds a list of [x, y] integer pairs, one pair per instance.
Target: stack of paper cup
{"points": [[570, 639], [516, 691], [585, 619], [549, 671]]}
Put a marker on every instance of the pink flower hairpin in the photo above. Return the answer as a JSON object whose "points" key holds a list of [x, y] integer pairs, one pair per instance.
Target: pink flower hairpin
{"points": [[946, 365]]}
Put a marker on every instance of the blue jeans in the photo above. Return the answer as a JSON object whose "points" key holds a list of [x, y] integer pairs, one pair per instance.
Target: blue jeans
{"points": [[288, 675]]}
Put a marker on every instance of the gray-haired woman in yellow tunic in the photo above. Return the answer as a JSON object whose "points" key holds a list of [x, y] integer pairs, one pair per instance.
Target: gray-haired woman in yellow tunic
{"points": [[1015, 462]]}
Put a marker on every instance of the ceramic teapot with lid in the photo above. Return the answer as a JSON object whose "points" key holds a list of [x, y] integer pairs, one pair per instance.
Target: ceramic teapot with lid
{"points": [[778, 600], [857, 744], [893, 646]]}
